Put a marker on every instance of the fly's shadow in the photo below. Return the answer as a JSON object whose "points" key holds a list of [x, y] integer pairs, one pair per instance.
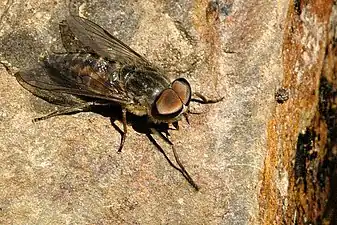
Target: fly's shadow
{"points": [[141, 125]]}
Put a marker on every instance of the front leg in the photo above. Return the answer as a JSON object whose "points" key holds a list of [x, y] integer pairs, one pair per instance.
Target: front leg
{"points": [[204, 100]]}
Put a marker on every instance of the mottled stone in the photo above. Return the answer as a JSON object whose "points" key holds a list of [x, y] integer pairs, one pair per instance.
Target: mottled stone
{"points": [[66, 170]]}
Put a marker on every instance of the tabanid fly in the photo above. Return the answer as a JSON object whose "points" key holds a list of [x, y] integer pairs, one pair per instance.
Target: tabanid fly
{"points": [[100, 70]]}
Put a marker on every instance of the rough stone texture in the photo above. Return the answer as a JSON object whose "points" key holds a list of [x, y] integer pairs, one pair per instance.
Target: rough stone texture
{"points": [[298, 184], [241, 151]]}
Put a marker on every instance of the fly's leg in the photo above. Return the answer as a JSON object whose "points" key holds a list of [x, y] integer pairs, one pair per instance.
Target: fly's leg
{"points": [[186, 116], [183, 170], [204, 100], [125, 130], [122, 132], [66, 111], [71, 110], [176, 125], [180, 166]]}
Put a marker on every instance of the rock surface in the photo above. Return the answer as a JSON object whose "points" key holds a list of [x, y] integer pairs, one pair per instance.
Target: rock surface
{"points": [[66, 170]]}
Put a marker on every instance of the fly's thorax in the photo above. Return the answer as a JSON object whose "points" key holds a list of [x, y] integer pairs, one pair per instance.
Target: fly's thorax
{"points": [[143, 85]]}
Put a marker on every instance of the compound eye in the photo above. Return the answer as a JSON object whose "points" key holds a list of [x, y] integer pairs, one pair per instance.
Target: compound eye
{"points": [[168, 102], [183, 90]]}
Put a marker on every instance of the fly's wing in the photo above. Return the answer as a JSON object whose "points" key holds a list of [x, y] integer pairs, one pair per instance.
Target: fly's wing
{"points": [[103, 43], [60, 89], [70, 42], [58, 98]]}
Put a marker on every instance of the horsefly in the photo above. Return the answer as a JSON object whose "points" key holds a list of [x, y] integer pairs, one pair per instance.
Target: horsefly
{"points": [[98, 70]]}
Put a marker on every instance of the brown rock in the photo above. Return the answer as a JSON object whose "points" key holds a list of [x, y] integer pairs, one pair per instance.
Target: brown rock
{"points": [[242, 151]]}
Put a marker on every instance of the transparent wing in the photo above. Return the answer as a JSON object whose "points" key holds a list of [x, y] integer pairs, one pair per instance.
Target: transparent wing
{"points": [[42, 83], [103, 43], [70, 42]]}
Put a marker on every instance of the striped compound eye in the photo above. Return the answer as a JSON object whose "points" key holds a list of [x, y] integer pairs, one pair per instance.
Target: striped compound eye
{"points": [[168, 103], [183, 90]]}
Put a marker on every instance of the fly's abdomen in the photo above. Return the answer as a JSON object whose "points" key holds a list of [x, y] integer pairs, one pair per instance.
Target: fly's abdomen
{"points": [[85, 69]]}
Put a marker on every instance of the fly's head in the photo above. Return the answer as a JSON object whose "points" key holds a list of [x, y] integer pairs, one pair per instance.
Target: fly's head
{"points": [[172, 102]]}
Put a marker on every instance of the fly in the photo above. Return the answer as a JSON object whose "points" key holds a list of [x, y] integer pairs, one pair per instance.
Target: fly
{"points": [[100, 70]]}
